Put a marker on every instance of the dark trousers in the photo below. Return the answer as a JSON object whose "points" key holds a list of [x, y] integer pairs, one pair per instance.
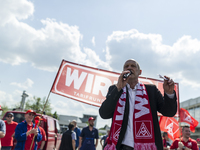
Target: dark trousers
{"points": [[6, 147], [125, 147]]}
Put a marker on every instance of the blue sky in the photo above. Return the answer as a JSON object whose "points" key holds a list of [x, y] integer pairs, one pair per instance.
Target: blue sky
{"points": [[163, 36]]}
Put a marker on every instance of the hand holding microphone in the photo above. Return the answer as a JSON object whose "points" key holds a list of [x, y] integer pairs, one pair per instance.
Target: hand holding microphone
{"points": [[123, 79], [127, 74]]}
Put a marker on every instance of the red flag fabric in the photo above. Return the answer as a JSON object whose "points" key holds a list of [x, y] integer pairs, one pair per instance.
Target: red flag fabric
{"points": [[36, 119], [186, 117], [169, 125], [36, 123]]}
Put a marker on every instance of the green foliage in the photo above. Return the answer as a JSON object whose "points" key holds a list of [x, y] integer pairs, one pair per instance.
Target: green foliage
{"points": [[55, 115], [37, 104], [101, 134], [101, 129]]}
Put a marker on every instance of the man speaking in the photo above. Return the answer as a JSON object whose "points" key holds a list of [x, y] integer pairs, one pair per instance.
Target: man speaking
{"points": [[133, 108]]}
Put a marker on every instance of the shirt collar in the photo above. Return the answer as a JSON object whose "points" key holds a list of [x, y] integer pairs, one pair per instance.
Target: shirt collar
{"points": [[135, 88]]}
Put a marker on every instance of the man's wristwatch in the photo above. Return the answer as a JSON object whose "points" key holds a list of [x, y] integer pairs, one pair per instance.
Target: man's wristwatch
{"points": [[184, 147]]}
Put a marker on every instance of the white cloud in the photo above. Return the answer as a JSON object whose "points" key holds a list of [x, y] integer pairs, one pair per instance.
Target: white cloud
{"points": [[93, 41], [154, 56], [15, 10], [25, 85], [43, 48], [10, 99], [92, 59]]}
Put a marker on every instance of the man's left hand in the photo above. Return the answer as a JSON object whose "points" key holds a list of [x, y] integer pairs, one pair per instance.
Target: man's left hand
{"points": [[168, 86]]}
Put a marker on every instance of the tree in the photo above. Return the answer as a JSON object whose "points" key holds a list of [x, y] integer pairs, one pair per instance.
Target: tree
{"points": [[37, 104], [55, 115]]}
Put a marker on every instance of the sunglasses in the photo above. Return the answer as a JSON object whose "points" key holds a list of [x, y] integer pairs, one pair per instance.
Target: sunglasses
{"points": [[9, 116], [31, 114]]}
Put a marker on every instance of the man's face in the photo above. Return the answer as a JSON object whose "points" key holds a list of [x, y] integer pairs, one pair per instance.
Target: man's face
{"points": [[132, 65], [108, 132], [186, 132], [91, 123], [9, 118], [74, 123], [166, 137], [29, 117]]}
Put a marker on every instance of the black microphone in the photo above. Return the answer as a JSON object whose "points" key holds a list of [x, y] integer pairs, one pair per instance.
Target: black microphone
{"points": [[127, 74]]}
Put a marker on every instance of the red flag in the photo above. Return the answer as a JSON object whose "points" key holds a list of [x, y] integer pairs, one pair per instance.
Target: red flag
{"points": [[169, 125], [186, 117], [36, 123]]}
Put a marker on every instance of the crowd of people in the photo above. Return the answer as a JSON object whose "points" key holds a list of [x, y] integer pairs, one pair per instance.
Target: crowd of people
{"points": [[133, 107], [85, 139], [23, 133]]}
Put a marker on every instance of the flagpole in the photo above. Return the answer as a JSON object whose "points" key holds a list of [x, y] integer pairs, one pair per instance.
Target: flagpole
{"points": [[39, 119], [46, 102], [179, 119]]}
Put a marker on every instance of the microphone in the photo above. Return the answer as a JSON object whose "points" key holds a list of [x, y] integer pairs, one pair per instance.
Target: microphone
{"points": [[127, 74]]}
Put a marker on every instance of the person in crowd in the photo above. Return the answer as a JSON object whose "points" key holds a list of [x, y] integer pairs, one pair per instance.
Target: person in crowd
{"points": [[166, 143], [43, 133], [68, 139], [25, 131], [88, 136], [103, 139], [198, 142], [186, 142], [133, 108], [7, 141], [77, 131], [2, 128]]}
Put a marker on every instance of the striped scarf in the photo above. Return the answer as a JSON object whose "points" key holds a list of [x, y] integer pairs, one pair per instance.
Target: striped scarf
{"points": [[143, 129]]}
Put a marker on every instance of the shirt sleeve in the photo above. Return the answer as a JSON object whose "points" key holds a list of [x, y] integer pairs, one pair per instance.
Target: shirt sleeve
{"points": [[174, 145], [103, 137], [73, 136], [3, 127], [82, 133], [97, 134], [194, 146], [43, 134], [20, 134], [79, 132], [170, 95]]}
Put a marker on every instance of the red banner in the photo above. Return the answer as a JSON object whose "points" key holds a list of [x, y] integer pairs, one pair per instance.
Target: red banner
{"points": [[90, 85]]}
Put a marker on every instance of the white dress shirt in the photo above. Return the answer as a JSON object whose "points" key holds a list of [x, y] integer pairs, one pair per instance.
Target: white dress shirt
{"points": [[128, 138]]}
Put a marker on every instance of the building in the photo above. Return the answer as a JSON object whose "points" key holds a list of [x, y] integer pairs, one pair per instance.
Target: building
{"points": [[86, 117], [193, 107], [64, 121]]}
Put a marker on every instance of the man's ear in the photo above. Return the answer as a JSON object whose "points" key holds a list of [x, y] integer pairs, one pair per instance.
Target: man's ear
{"points": [[140, 72]]}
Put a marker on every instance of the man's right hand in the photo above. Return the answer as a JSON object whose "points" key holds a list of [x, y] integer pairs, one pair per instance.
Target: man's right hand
{"points": [[121, 81], [180, 145], [35, 131], [32, 131]]}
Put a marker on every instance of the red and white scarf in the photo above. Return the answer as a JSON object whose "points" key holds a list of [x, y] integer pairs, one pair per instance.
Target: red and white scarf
{"points": [[143, 129]]}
